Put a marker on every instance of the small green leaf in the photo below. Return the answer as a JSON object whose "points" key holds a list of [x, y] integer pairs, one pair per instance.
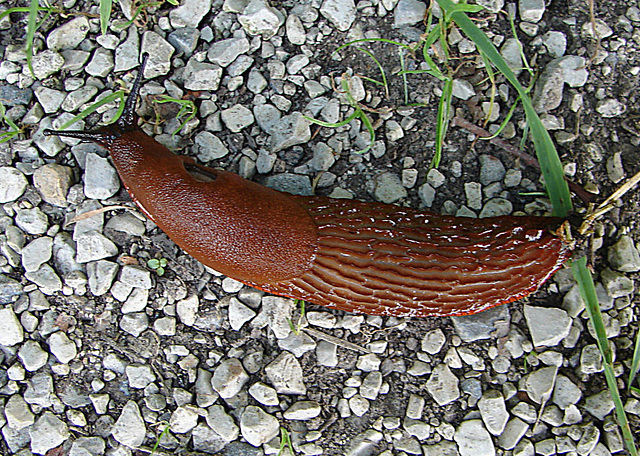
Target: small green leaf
{"points": [[153, 263], [163, 262], [160, 271]]}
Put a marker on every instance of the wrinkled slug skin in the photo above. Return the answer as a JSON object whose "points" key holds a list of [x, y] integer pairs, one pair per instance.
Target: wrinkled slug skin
{"points": [[369, 258]]}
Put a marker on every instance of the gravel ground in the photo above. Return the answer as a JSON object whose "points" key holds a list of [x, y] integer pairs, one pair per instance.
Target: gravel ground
{"points": [[101, 352]]}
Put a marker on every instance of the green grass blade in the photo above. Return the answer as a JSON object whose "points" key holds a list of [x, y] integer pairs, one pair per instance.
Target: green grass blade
{"points": [[105, 14], [119, 95], [635, 363], [377, 62], [31, 32], [545, 150], [588, 293], [442, 121], [333, 125]]}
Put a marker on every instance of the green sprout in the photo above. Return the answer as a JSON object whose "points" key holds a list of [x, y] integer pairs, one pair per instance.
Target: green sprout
{"points": [[158, 265], [188, 110]]}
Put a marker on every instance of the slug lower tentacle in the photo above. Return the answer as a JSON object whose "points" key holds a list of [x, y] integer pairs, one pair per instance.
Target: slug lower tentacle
{"points": [[370, 258]]}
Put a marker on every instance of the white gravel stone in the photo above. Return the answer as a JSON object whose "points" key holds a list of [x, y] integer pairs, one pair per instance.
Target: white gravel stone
{"points": [[258, 18], [548, 325], [275, 312], [229, 378], [134, 323], [47, 433], [190, 13], [302, 410], [513, 433], [493, 411], [341, 13], [183, 419], [257, 426], [222, 423], [12, 184], [295, 30], [62, 347], [415, 407], [11, 332], [139, 376], [129, 429], [388, 188], [611, 108], [187, 310], [623, 255], [539, 383], [443, 385], [285, 374], [32, 355], [359, 405], [473, 439], [18, 413], [433, 341], [239, 314], [69, 35], [531, 10], [264, 394], [408, 12], [94, 246]]}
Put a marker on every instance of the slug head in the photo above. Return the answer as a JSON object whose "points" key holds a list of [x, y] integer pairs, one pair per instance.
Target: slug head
{"points": [[128, 121]]}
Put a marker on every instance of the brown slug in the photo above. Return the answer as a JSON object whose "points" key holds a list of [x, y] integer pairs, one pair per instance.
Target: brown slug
{"points": [[370, 258]]}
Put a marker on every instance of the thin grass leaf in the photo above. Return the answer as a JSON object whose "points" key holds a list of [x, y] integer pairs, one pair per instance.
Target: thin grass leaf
{"points": [[442, 121], [635, 363], [545, 149], [31, 32], [588, 293], [369, 126], [105, 14], [384, 76], [504, 123], [119, 95], [333, 125], [13, 128], [403, 73], [285, 442], [374, 40]]}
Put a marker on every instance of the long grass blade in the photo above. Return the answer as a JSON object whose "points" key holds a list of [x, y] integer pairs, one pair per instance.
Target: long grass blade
{"points": [[119, 95], [588, 293], [105, 14], [545, 149], [32, 22]]}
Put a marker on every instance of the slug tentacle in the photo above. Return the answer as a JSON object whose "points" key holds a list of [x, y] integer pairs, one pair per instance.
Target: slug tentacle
{"points": [[371, 258]]}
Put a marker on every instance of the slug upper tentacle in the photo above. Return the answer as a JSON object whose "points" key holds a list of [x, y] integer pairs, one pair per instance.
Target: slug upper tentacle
{"points": [[370, 258]]}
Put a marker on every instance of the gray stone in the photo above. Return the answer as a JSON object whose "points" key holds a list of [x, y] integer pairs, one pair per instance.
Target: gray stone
{"points": [[127, 53], [17, 412], [569, 69], [513, 433], [187, 310], [136, 276], [295, 30], [264, 394], [62, 347], [101, 180], [257, 426], [189, 14], [393, 131], [183, 419], [12, 184], [47, 433], [101, 274], [539, 383], [615, 168], [623, 255], [257, 83], [93, 246], [388, 188], [531, 10], [566, 392], [229, 378], [285, 374], [32, 355], [201, 76], [40, 390], [341, 13], [222, 423], [548, 326], [616, 284], [33, 220], [408, 12], [462, 89], [46, 63], [433, 341], [266, 116], [239, 314], [237, 118], [36, 253], [74, 100], [326, 354], [160, 52], [184, 39], [258, 18], [473, 439], [11, 332], [139, 376], [496, 207], [69, 35], [295, 184], [555, 42], [491, 323], [129, 429], [53, 182], [207, 440], [443, 385], [46, 278], [134, 323], [209, 147], [611, 108], [289, 131], [224, 52], [491, 169], [302, 411], [101, 63], [602, 30], [50, 99], [493, 411]]}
